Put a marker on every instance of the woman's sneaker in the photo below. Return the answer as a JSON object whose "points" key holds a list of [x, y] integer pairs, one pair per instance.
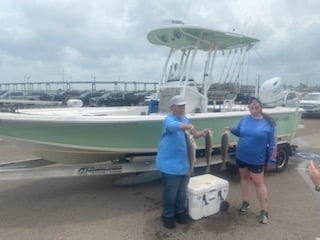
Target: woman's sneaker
{"points": [[244, 206], [264, 217]]}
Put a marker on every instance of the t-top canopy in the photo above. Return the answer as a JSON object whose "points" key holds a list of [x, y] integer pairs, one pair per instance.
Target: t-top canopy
{"points": [[182, 36]]}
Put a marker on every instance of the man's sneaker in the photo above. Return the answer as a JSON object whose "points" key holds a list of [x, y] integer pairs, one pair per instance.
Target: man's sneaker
{"points": [[264, 217], [182, 218], [168, 222], [244, 206]]}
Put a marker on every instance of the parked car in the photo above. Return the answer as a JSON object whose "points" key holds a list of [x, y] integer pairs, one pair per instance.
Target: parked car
{"points": [[12, 95], [20, 95], [39, 96], [291, 99], [99, 101], [64, 96], [85, 97], [310, 103], [118, 99]]}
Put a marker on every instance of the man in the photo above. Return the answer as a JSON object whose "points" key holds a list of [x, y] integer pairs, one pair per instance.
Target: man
{"points": [[173, 163]]}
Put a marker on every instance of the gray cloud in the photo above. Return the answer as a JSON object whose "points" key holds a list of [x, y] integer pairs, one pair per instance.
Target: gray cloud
{"points": [[48, 40]]}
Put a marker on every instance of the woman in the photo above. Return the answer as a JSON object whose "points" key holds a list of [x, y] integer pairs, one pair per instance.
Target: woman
{"points": [[257, 140], [173, 163]]}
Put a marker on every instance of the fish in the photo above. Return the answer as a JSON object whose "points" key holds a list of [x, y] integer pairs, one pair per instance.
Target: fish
{"points": [[191, 148], [224, 150], [208, 150]]}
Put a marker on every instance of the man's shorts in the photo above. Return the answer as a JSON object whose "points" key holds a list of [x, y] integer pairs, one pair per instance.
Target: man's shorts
{"points": [[251, 167]]}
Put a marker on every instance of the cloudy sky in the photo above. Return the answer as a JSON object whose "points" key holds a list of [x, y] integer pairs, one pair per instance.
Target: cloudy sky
{"points": [[78, 40]]}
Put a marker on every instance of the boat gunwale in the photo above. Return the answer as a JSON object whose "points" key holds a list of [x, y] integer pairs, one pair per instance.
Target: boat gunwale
{"points": [[29, 117]]}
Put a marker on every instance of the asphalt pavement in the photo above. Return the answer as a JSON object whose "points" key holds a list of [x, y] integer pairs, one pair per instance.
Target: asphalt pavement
{"points": [[95, 208]]}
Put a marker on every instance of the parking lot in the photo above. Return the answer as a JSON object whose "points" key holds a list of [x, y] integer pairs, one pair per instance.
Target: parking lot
{"points": [[95, 208]]}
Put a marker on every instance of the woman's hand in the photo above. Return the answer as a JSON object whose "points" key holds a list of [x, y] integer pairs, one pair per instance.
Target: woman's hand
{"points": [[271, 165]]}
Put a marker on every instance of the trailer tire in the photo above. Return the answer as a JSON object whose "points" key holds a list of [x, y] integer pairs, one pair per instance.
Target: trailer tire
{"points": [[282, 157]]}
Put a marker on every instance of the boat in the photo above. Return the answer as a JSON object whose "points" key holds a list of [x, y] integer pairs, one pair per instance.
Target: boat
{"points": [[109, 134]]}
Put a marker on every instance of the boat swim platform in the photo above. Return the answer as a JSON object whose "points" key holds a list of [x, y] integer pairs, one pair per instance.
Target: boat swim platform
{"points": [[38, 168]]}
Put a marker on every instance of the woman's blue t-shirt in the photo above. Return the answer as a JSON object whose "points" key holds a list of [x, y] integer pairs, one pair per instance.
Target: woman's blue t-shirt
{"points": [[256, 137]]}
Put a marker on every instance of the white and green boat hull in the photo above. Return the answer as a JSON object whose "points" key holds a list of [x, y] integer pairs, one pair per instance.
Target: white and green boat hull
{"points": [[80, 139]]}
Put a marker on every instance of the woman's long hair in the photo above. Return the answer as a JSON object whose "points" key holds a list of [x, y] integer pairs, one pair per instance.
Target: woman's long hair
{"points": [[269, 119]]}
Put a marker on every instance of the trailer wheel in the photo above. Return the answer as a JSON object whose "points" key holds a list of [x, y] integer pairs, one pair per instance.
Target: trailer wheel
{"points": [[282, 157]]}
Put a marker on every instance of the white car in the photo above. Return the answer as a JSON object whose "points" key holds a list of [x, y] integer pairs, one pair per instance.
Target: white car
{"points": [[311, 103], [291, 98]]}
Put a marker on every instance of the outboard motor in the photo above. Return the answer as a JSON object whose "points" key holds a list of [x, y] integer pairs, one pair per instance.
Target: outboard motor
{"points": [[272, 92]]}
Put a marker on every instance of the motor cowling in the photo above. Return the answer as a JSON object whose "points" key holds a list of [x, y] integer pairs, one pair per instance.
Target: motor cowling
{"points": [[272, 91]]}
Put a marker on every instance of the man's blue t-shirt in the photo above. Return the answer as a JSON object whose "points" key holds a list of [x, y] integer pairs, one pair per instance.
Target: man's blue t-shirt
{"points": [[256, 136], [172, 157]]}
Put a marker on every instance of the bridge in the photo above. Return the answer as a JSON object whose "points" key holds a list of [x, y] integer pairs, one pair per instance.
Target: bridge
{"points": [[68, 85]]}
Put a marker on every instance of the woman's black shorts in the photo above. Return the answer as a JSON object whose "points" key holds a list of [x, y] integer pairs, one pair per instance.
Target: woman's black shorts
{"points": [[251, 167]]}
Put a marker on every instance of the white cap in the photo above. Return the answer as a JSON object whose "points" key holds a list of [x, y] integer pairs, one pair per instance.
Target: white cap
{"points": [[178, 100]]}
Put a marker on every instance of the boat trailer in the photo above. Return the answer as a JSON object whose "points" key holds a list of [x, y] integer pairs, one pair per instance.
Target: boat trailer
{"points": [[38, 168]]}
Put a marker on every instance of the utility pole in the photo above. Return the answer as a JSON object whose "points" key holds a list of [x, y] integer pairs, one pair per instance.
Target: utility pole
{"points": [[26, 80]]}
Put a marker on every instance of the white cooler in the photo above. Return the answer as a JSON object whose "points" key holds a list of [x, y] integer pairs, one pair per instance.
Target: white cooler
{"points": [[205, 194]]}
